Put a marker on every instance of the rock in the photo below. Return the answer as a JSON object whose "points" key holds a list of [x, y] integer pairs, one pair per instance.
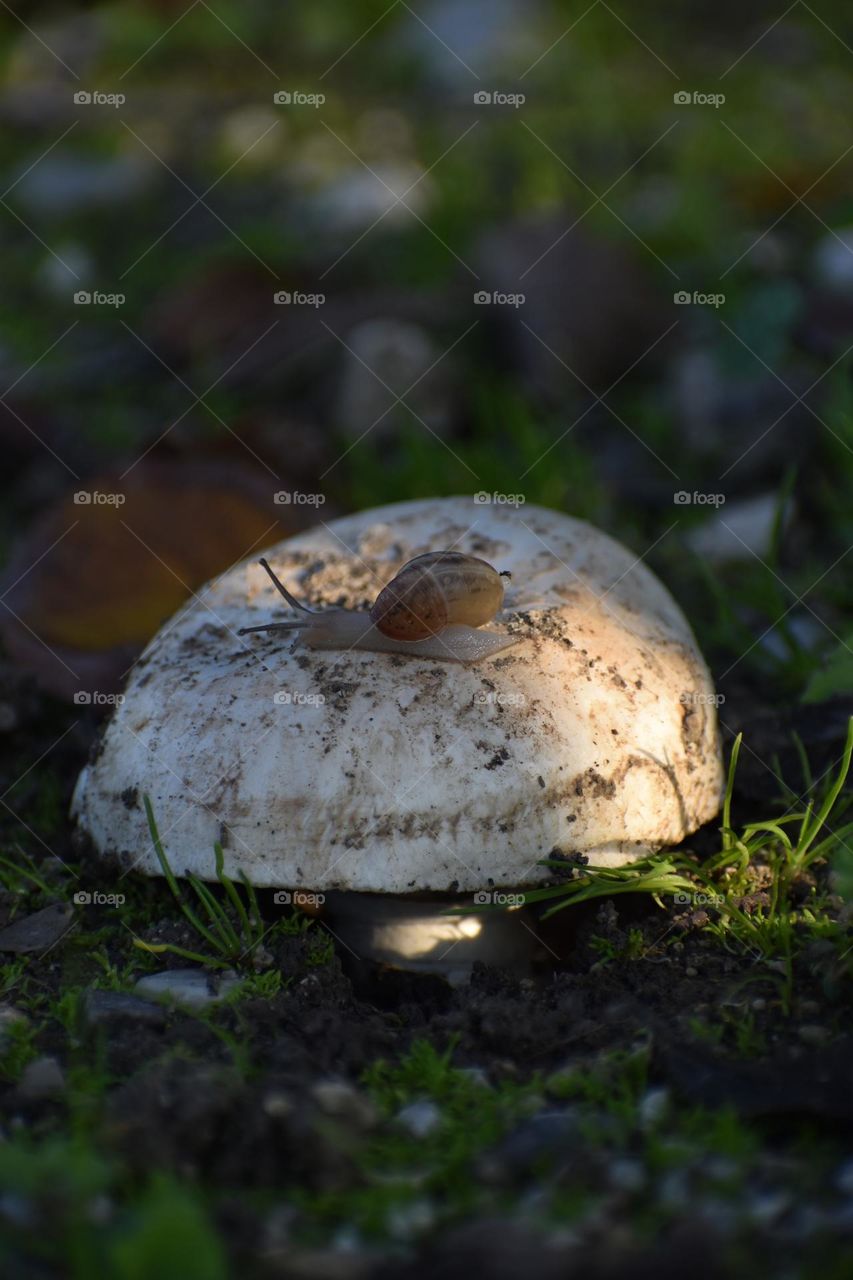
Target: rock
{"points": [[813, 1034], [551, 1135], [41, 1079], [495, 38], [832, 261], [385, 358], [101, 1007], [737, 530], [420, 1119], [766, 1208], [277, 1105], [18, 1211], [477, 1075], [190, 988], [405, 1221], [9, 1018], [627, 1175], [67, 183], [60, 276], [807, 630], [252, 135], [674, 1190], [39, 931], [652, 1108], [697, 394], [345, 1102], [355, 199], [844, 1178]]}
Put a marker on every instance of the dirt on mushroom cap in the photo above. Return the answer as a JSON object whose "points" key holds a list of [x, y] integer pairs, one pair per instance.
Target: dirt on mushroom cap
{"points": [[376, 772]]}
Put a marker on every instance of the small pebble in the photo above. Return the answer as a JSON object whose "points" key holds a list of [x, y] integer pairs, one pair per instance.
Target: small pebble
{"points": [[832, 261], [277, 1105], [408, 1220], [111, 1006], [844, 1178], [653, 1107], [763, 1210], [477, 1076], [18, 1210], [720, 1169], [343, 1101], [673, 1190], [262, 959], [812, 1034], [420, 1119], [690, 972], [42, 1078], [9, 1017], [191, 988], [627, 1175], [39, 931]]}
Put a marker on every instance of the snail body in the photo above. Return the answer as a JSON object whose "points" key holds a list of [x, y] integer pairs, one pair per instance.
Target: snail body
{"points": [[433, 608]]}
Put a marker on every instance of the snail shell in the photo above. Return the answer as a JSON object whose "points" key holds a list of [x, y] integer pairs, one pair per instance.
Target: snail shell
{"points": [[437, 589], [432, 608]]}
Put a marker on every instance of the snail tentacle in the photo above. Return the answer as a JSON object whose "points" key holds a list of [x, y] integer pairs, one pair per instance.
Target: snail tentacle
{"points": [[279, 586]]}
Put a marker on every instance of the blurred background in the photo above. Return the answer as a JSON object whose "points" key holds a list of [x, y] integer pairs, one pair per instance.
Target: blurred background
{"points": [[265, 266]]}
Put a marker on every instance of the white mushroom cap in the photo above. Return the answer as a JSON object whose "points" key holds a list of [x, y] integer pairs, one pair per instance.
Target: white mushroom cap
{"points": [[355, 770]]}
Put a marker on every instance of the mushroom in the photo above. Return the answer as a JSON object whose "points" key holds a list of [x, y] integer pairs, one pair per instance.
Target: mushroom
{"points": [[382, 779]]}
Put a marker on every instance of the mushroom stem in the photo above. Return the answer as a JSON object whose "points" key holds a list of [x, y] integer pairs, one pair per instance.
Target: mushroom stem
{"points": [[431, 935]]}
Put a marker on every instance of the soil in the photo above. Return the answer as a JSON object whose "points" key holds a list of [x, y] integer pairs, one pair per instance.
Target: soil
{"points": [[229, 1103]]}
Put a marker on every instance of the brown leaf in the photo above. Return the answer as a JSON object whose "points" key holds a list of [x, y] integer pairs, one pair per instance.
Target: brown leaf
{"points": [[95, 579]]}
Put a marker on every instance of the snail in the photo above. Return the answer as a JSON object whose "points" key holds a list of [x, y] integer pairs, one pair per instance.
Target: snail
{"points": [[433, 608]]}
